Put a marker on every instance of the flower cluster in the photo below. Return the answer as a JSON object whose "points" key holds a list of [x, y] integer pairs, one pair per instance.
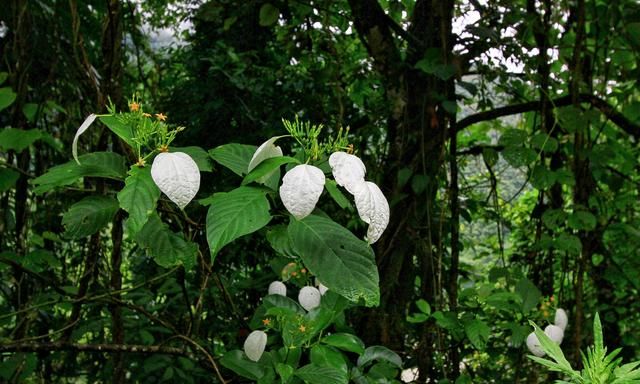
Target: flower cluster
{"points": [[303, 184], [309, 298], [175, 173], [554, 331]]}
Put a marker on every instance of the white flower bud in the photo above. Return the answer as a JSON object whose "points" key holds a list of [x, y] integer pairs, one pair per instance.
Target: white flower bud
{"points": [[555, 333], [309, 298], [534, 345], [561, 318], [254, 345], [278, 288]]}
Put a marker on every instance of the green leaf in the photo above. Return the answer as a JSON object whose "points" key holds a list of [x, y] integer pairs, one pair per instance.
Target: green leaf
{"points": [[553, 218], [199, 155], [268, 166], [569, 243], [88, 216], [138, 197], [379, 353], [512, 137], [518, 156], [236, 157], [344, 263], [29, 110], [544, 142], [268, 15], [237, 362], [7, 97], [8, 178], [325, 356], [18, 139], [313, 374], [582, 220], [164, 246], [234, 214], [345, 341], [478, 333], [97, 164], [120, 128], [278, 238], [336, 194], [285, 371], [423, 306], [542, 178], [529, 293]]}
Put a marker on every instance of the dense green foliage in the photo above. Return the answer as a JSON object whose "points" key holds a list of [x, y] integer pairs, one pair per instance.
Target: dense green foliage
{"points": [[502, 133]]}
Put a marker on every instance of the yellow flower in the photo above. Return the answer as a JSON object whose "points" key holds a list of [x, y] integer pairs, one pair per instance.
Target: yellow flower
{"points": [[266, 322], [302, 328], [160, 116], [146, 114], [134, 107]]}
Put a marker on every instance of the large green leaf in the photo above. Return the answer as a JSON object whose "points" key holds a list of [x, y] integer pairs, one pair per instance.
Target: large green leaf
{"points": [[237, 362], [325, 356], [340, 260], [234, 156], [18, 139], [234, 214], [7, 97], [379, 353], [138, 197], [119, 127], [97, 164], [345, 341], [164, 246], [88, 216], [314, 374]]}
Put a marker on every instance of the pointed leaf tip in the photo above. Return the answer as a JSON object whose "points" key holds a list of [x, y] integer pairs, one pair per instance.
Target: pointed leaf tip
{"points": [[85, 125]]}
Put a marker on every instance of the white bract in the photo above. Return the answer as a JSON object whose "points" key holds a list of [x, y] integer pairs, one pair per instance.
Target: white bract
{"points": [[561, 318], [373, 209], [265, 151], [347, 169], [177, 176], [322, 288], [85, 125], [278, 288], [309, 298], [301, 188], [554, 332], [254, 345], [534, 345]]}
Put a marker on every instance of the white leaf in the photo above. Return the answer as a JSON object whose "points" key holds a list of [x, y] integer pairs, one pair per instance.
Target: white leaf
{"points": [[321, 287], [309, 297], [534, 345], [177, 175], [301, 188], [85, 125], [554, 332], [561, 319], [265, 151], [348, 170], [278, 288], [373, 209], [254, 345]]}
